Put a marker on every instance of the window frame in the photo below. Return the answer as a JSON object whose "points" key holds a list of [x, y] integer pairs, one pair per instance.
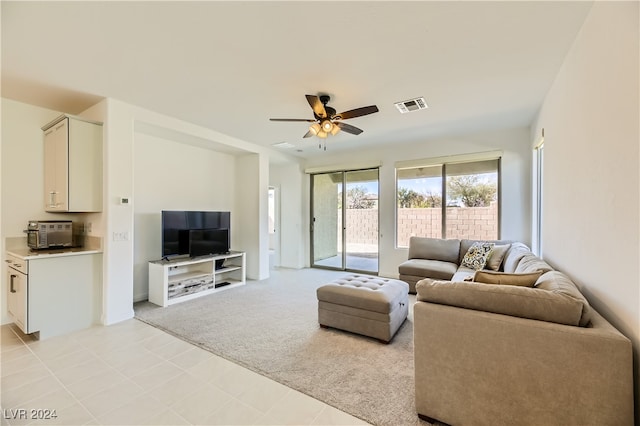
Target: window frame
{"points": [[443, 162], [537, 201]]}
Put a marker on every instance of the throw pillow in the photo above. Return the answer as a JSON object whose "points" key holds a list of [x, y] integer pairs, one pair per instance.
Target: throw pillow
{"points": [[477, 255], [497, 256], [504, 278]]}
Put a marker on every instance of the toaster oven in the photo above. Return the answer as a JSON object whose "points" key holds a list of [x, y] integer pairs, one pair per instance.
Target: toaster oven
{"points": [[47, 234]]}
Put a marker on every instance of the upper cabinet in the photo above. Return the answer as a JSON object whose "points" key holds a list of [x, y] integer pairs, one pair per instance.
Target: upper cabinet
{"points": [[72, 165]]}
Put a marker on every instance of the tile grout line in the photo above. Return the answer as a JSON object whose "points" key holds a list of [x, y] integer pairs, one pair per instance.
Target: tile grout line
{"points": [[148, 392], [266, 413], [55, 377], [144, 391]]}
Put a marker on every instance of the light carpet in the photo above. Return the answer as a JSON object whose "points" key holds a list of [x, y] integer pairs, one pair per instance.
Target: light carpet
{"points": [[271, 327]]}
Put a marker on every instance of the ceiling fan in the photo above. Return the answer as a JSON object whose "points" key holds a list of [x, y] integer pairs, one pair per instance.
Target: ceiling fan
{"points": [[326, 122]]}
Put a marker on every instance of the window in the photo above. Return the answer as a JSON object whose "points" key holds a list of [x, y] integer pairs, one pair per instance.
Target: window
{"points": [[470, 191], [538, 163]]}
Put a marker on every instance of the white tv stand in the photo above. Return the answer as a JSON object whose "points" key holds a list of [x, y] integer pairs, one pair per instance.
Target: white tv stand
{"points": [[179, 280]]}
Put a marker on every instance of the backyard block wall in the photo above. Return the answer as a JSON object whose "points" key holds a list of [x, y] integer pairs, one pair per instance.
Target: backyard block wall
{"points": [[462, 222]]}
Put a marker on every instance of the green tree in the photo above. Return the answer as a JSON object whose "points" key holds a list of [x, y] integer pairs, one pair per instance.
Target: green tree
{"points": [[433, 200], [409, 198], [470, 191], [359, 198]]}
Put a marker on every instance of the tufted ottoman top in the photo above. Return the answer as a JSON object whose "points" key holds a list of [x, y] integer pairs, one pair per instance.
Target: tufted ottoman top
{"points": [[365, 292]]}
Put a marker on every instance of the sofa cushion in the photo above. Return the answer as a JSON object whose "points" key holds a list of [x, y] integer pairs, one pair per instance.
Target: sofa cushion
{"points": [[505, 278], [515, 253], [497, 256], [522, 302], [428, 268], [559, 284], [434, 249], [477, 255], [532, 263], [463, 274]]}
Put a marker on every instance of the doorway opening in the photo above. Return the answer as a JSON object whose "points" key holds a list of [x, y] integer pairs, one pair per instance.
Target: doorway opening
{"points": [[274, 228]]}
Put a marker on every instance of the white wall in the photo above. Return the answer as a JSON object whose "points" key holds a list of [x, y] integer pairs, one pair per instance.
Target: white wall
{"points": [[118, 255], [591, 161], [289, 180], [252, 236], [170, 175], [516, 182]]}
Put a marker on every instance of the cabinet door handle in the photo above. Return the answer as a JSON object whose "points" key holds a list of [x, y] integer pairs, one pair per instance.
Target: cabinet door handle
{"points": [[52, 199], [13, 290]]}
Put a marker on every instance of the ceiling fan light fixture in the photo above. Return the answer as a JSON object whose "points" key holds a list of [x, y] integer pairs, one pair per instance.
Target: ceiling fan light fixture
{"points": [[327, 125], [335, 129], [315, 128], [322, 134]]}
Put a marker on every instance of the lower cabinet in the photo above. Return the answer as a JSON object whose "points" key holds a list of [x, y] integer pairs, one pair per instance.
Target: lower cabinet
{"points": [[18, 293], [51, 296], [173, 281]]}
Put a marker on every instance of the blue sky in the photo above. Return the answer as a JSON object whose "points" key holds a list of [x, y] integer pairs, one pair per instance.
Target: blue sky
{"points": [[418, 185], [422, 185]]}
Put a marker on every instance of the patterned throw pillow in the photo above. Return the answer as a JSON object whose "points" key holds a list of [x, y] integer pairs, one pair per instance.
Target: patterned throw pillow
{"points": [[477, 255]]}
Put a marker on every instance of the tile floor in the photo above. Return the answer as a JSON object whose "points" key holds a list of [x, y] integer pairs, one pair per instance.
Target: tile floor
{"points": [[133, 374]]}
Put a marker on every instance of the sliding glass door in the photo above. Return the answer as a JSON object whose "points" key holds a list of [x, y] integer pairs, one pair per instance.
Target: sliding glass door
{"points": [[344, 215], [326, 220]]}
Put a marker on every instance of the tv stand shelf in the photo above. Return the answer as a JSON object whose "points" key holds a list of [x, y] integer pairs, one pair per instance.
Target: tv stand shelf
{"points": [[179, 280]]}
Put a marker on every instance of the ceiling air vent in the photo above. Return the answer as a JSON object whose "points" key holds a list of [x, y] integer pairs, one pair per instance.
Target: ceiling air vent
{"points": [[411, 105]]}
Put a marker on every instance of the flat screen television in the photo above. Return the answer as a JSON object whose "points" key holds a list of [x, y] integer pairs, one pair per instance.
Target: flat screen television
{"points": [[195, 233], [208, 241]]}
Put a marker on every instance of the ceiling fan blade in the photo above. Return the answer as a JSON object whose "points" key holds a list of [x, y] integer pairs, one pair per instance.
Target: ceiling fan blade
{"points": [[316, 105], [308, 134], [293, 119], [358, 112], [348, 128]]}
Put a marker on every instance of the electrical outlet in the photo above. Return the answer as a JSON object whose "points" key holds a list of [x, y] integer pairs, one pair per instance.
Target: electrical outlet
{"points": [[121, 236]]}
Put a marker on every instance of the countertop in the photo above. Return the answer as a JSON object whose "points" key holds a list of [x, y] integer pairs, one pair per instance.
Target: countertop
{"points": [[26, 253]]}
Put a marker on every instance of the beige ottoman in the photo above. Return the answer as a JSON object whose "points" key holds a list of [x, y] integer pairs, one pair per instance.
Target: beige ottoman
{"points": [[371, 306]]}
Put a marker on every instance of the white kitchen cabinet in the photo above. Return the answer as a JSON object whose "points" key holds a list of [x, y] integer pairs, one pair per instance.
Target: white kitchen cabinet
{"points": [[52, 295], [72, 165], [18, 292]]}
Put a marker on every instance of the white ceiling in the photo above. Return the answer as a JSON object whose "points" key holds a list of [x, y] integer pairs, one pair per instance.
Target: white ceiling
{"points": [[230, 66]]}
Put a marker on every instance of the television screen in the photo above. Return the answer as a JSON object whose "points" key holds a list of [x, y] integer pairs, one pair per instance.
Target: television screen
{"points": [[176, 227], [208, 241]]}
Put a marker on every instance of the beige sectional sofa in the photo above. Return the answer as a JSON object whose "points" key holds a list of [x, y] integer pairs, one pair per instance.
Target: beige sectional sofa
{"points": [[440, 259], [511, 354]]}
